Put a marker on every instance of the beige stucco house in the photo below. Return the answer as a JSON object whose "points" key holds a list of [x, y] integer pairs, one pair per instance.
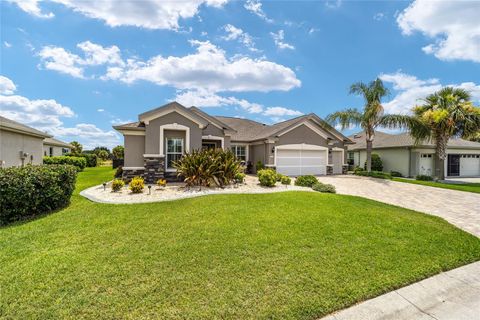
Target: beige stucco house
{"points": [[20, 144], [400, 153], [53, 147], [303, 145]]}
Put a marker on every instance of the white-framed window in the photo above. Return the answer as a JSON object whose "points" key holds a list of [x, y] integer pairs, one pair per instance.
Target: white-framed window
{"points": [[240, 152], [51, 151], [174, 151]]}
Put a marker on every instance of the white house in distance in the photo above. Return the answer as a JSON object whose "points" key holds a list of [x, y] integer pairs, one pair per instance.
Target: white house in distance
{"points": [[54, 147], [399, 153]]}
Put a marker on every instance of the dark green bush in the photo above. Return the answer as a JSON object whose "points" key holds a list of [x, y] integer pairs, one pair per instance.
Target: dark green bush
{"points": [[423, 177], [118, 173], [373, 174], [78, 162], [396, 174], [259, 165], [377, 164], [267, 177], [323, 187], [306, 181], [91, 158], [286, 180], [29, 191]]}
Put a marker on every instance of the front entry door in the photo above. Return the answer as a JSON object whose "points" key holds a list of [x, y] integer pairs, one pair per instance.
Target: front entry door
{"points": [[453, 165]]}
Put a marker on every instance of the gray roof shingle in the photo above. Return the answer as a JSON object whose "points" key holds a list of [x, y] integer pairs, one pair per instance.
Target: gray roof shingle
{"points": [[8, 124], [56, 142]]}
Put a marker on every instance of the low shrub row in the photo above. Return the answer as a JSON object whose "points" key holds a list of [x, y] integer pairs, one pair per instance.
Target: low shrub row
{"points": [[33, 190], [79, 162], [423, 177], [373, 174], [324, 187]]}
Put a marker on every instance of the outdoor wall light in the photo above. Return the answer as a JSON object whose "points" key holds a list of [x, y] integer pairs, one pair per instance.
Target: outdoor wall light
{"points": [[149, 189], [104, 186], [273, 149]]}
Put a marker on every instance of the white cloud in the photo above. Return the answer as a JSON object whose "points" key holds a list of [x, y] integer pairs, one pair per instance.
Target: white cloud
{"points": [[100, 110], [47, 114], [281, 111], [7, 86], [409, 91], [453, 26], [379, 16], [208, 69], [278, 38], [313, 30], [255, 7], [7, 44], [59, 59], [150, 14], [333, 4], [234, 33]]}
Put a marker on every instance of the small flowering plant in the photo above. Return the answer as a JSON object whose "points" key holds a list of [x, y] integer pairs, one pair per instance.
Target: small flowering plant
{"points": [[161, 183]]}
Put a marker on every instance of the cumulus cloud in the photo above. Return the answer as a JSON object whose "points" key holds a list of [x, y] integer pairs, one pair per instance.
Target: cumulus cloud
{"points": [[409, 91], [234, 33], [452, 25], [47, 115], [150, 14], [7, 44], [255, 7], [61, 60], [281, 111], [278, 38], [208, 69]]}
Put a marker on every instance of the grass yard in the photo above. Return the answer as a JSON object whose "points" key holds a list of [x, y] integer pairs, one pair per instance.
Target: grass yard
{"points": [[295, 255], [469, 187]]}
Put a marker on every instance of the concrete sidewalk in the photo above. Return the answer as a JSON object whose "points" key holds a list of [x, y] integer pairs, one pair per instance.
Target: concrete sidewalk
{"points": [[452, 295]]}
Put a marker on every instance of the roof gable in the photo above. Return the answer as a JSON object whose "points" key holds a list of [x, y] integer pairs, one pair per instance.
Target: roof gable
{"points": [[146, 117]]}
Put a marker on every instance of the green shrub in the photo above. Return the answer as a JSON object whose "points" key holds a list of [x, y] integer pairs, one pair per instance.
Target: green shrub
{"points": [[240, 177], [118, 172], [259, 166], [267, 177], [78, 162], [117, 185], [33, 190], [204, 167], [357, 169], [306, 181], [136, 185], [377, 164], [91, 159], [423, 177], [279, 177], [323, 187], [286, 180], [396, 174], [373, 174]]}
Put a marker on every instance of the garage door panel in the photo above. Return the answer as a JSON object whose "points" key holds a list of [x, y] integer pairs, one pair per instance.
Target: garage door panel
{"points": [[295, 162], [289, 161], [313, 161], [469, 165], [314, 170], [290, 153]]}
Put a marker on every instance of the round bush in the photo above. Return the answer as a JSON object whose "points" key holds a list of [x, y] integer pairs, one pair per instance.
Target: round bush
{"points": [[267, 177], [33, 190], [306, 181], [377, 164], [322, 187], [117, 185], [137, 184], [240, 177], [286, 180]]}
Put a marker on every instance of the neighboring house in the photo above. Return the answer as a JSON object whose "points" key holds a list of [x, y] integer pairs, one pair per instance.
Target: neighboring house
{"points": [[304, 145], [399, 153], [53, 147], [20, 144]]}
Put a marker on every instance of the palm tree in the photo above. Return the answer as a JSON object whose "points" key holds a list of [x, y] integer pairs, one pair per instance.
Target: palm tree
{"points": [[76, 148], [445, 114], [372, 115]]}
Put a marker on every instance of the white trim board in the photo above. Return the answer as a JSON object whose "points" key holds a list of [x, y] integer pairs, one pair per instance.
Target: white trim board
{"points": [[131, 132], [308, 125], [178, 127], [210, 137], [162, 113]]}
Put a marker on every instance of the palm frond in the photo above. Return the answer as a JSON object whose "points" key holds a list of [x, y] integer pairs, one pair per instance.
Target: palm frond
{"points": [[346, 118]]}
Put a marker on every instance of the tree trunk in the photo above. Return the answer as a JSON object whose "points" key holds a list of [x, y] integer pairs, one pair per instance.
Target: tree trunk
{"points": [[440, 156], [369, 155]]}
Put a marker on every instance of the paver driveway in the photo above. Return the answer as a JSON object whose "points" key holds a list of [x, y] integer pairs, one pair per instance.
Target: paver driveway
{"points": [[457, 207]]}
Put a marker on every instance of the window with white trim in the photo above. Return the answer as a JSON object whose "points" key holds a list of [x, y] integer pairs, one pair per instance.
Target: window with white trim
{"points": [[240, 152], [174, 151]]}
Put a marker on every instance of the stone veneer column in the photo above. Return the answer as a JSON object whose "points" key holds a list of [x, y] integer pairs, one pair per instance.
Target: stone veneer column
{"points": [[154, 168]]}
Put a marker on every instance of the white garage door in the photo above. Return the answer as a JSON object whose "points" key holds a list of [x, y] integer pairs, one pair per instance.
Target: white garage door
{"points": [[426, 164], [470, 165], [301, 159]]}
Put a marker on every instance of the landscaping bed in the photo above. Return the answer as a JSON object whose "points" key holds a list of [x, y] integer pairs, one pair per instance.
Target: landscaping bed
{"points": [[291, 255]]}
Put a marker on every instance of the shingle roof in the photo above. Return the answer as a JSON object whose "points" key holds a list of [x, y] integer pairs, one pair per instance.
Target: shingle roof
{"points": [[11, 125], [131, 126], [246, 130], [385, 140], [56, 142]]}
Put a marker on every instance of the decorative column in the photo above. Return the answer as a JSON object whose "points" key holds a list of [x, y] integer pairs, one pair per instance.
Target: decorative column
{"points": [[154, 168]]}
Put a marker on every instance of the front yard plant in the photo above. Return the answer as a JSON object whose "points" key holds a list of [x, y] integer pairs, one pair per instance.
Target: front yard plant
{"points": [[306, 181], [423, 177], [240, 177], [29, 191], [162, 183], [286, 180], [373, 174], [377, 164], [117, 185], [267, 177], [324, 187], [137, 185]]}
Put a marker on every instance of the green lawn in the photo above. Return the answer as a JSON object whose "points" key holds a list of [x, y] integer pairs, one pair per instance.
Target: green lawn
{"points": [[469, 187], [294, 255]]}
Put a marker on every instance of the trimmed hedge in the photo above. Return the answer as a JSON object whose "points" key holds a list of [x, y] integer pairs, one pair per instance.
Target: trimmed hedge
{"points": [[78, 162], [91, 158], [373, 174], [29, 191], [423, 177]]}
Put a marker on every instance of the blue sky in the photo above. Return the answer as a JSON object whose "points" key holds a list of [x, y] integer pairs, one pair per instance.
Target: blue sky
{"points": [[74, 68]]}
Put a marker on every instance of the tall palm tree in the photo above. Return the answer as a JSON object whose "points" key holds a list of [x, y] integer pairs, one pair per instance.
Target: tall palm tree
{"points": [[372, 115], [445, 114]]}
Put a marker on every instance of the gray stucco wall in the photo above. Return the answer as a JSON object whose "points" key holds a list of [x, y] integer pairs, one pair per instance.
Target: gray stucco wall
{"points": [[257, 153], [134, 150], [12, 143], [302, 134], [57, 151], [395, 159], [152, 132]]}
